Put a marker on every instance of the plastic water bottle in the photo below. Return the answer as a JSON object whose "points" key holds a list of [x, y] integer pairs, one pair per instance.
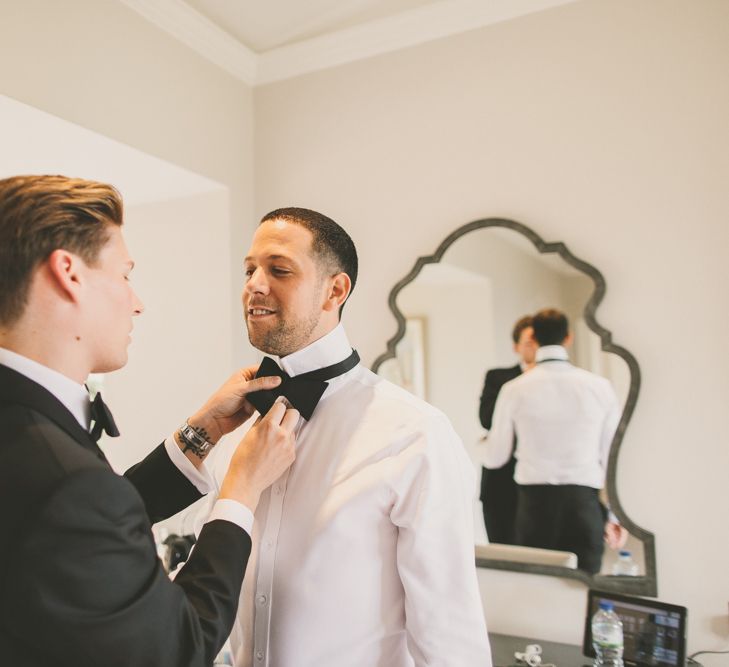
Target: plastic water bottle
{"points": [[625, 565], [607, 637]]}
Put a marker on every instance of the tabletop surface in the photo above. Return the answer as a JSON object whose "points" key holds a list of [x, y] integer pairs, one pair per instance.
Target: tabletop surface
{"points": [[561, 655]]}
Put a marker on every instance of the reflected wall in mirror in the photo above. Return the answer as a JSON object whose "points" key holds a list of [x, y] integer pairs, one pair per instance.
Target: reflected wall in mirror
{"points": [[455, 312]]}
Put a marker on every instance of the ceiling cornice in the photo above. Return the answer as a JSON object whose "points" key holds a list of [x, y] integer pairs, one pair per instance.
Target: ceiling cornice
{"points": [[434, 21], [200, 34], [417, 26]]}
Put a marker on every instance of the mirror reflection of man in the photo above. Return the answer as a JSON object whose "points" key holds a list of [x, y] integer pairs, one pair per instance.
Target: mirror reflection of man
{"points": [[498, 488], [80, 581], [564, 419], [362, 550]]}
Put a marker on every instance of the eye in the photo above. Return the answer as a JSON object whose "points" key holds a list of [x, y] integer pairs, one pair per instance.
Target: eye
{"points": [[278, 271]]}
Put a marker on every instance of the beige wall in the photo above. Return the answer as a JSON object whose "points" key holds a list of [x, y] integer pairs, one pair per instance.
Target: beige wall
{"points": [[603, 124], [176, 359], [100, 65]]}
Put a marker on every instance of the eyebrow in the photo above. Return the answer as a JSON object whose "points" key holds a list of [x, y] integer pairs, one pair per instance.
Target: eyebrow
{"points": [[273, 257]]}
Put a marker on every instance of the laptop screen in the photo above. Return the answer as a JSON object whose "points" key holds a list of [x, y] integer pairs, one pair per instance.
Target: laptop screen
{"points": [[654, 633]]}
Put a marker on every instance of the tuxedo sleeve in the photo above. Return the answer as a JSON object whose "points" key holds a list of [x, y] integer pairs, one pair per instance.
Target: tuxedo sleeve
{"points": [[88, 585], [162, 485], [491, 387]]}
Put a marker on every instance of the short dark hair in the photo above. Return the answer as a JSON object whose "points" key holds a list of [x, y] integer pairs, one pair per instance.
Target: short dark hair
{"points": [[330, 243], [40, 214], [521, 324], [550, 326]]}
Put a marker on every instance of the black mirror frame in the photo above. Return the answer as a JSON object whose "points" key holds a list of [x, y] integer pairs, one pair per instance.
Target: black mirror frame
{"points": [[642, 585]]}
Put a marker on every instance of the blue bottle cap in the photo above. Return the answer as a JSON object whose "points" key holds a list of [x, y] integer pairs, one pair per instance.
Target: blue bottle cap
{"points": [[606, 605], [624, 552]]}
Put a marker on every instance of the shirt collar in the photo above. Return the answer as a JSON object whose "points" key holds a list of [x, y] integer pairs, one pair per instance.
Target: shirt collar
{"points": [[73, 395], [329, 349], [552, 352]]}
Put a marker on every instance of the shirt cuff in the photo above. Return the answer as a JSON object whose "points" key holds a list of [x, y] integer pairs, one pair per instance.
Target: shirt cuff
{"points": [[233, 511], [200, 478]]}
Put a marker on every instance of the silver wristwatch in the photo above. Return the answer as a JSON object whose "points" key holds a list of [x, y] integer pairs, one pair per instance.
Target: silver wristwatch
{"points": [[194, 441]]}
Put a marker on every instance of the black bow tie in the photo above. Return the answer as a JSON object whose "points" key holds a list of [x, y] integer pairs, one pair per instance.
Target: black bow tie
{"points": [[103, 421], [302, 391]]}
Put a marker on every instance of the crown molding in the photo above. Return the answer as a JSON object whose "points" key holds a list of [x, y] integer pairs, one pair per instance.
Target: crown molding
{"points": [[417, 26], [200, 34], [410, 28]]}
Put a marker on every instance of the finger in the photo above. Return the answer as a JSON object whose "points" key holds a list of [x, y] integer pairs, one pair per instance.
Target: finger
{"points": [[268, 382], [290, 420], [276, 413]]}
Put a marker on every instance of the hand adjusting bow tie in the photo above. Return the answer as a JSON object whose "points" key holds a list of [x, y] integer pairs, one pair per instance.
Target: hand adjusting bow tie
{"points": [[103, 421], [302, 391]]}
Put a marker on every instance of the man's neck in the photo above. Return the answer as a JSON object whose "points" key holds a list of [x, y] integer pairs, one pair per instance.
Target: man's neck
{"points": [[44, 350], [329, 349]]}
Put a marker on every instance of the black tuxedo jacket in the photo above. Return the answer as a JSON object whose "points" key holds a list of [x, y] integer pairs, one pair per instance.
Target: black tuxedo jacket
{"points": [[80, 581], [495, 379], [498, 489]]}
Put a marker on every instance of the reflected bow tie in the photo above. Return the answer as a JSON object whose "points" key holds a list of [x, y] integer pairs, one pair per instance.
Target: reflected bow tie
{"points": [[302, 391], [103, 421]]}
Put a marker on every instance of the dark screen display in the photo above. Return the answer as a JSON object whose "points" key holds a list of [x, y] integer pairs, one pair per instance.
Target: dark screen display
{"points": [[652, 635]]}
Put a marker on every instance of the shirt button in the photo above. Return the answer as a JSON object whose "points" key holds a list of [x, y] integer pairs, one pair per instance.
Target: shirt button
{"points": [[259, 655], [262, 599]]}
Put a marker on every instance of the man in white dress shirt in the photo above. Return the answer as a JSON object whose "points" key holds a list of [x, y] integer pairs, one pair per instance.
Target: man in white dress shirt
{"points": [[564, 419], [363, 550]]}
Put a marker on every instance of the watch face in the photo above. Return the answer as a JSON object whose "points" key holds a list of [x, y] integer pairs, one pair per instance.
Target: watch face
{"points": [[193, 441]]}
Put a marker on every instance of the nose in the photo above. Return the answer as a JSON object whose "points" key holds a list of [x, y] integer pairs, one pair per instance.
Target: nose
{"points": [[256, 283]]}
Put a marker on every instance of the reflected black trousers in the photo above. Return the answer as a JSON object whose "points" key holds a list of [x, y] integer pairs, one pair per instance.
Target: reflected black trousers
{"points": [[566, 517]]}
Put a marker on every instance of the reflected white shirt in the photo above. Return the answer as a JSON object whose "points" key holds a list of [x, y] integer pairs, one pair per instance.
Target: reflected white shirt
{"points": [[75, 398], [564, 419], [363, 550]]}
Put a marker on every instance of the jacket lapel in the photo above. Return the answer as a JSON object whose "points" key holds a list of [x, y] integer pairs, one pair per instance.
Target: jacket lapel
{"points": [[17, 389]]}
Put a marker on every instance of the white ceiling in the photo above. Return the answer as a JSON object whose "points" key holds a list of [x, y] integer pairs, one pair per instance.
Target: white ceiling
{"points": [[261, 42], [262, 26]]}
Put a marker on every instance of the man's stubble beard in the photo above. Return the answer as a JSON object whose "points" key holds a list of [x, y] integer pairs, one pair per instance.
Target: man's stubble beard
{"points": [[288, 337], [285, 337]]}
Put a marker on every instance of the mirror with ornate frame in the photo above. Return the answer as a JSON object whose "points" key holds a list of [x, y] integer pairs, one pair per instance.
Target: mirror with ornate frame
{"points": [[454, 311]]}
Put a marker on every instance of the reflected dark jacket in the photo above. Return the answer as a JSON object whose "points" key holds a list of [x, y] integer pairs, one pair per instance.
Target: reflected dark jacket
{"points": [[498, 488]]}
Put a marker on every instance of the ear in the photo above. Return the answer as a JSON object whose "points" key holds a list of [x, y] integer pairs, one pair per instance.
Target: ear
{"points": [[568, 341], [65, 272], [339, 288]]}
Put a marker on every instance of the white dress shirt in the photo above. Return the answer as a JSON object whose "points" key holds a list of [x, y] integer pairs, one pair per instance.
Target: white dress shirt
{"points": [[363, 550], [564, 419], [77, 401]]}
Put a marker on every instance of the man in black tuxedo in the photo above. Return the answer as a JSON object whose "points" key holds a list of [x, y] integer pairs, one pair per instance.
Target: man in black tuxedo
{"points": [[498, 488], [80, 582]]}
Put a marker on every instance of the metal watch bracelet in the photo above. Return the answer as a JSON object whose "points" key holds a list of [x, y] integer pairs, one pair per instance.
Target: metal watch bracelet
{"points": [[194, 441]]}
